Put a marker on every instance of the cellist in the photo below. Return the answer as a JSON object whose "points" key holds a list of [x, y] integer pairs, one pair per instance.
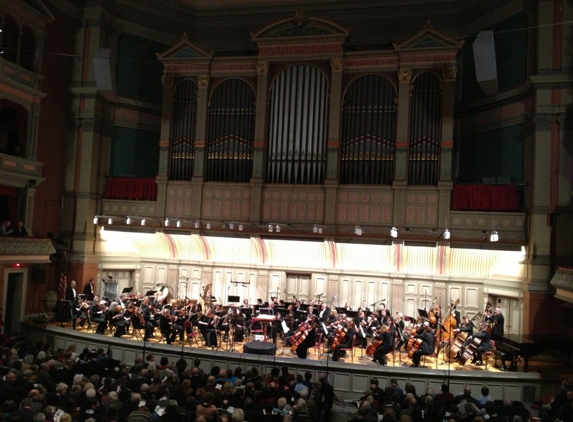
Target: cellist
{"points": [[427, 346], [385, 347], [348, 341]]}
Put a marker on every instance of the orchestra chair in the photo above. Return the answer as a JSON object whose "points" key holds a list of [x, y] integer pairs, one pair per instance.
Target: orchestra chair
{"points": [[319, 343], [257, 330], [486, 355], [351, 348], [432, 356]]}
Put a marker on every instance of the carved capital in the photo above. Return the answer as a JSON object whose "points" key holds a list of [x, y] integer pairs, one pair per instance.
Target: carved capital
{"points": [[404, 74], [299, 19], [337, 64], [262, 67], [450, 72], [203, 81], [87, 125], [543, 121], [167, 81]]}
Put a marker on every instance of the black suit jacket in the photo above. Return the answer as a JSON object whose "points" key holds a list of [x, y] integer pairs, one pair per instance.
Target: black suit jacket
{"points": [[88, 292]]}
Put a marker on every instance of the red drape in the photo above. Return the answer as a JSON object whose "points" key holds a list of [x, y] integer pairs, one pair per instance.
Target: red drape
{"points": [[139, 188], [485, 198]]}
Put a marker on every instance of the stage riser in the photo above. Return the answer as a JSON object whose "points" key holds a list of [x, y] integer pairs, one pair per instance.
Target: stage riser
{"points": [[349, 380]]}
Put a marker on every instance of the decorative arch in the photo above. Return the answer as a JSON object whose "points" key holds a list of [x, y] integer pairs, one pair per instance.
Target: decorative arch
{"points": [[231, 130], [425, 129], [27, 49], [10, 31], [368, 131], [183, 124]]}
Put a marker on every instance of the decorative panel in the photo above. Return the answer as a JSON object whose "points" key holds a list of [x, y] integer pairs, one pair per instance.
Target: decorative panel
{"points": [[360, 383], [411, 308], [161, 275], [341, 381], [512, 390], [149, 279], [411, 288], [344, 292], [363, 206], [320, 287], [296, 204], [472, 298]]}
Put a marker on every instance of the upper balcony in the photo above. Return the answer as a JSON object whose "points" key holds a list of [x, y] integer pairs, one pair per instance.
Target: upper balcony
{"points": [[20, 172]]}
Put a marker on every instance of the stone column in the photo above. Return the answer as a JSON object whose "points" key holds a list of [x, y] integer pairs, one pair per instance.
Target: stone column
{"points": [[200, 140]]}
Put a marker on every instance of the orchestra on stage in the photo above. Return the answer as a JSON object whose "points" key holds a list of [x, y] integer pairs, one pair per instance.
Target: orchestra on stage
{"points": [[334, 331]]}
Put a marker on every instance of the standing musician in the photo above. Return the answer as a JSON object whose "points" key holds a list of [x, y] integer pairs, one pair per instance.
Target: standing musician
{"points": [[208, 329], [89, 289], [323, 313], [239, 325], [484, 345], [427, 346], [385, 347], [348, 341], [497, 321]]}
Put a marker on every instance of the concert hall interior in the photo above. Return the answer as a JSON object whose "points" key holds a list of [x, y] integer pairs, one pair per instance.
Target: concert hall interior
{"points": [[409, 157]]}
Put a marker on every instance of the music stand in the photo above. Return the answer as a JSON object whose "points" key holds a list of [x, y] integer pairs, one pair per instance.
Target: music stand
{"points": [[150, 292], [126, 290], [233, 299], [423, 313]]}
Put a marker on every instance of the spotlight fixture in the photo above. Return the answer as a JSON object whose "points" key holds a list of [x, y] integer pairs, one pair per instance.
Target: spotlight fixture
{"points": [[197, 224], [241, 227], [166, 222], [278, 228], [318, 228], [270, 228], [315, 229], [128, 220], [110, 220], [178, 224], [447, 234], [232, 225], [96, 220], [394, 232], [493, 237], [358, 231], [208, 226], [143, 222]]}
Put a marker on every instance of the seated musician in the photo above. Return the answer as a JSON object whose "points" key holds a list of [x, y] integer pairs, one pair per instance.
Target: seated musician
{"points": [[138, 322], [427, 346], [385, 347], [207, 329], [223, 326], [309, 340], [399, 326], [348, 341], [166, 326], [116, 319], [81, 312], [484, 345], [98, 315]]}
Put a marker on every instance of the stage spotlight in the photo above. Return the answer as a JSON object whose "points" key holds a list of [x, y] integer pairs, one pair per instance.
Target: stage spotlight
{"points": [[394, 232], [447, 234]]}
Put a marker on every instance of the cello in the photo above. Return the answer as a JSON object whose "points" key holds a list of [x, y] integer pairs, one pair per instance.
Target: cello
{"points": [[339, 337], [300, 336]]}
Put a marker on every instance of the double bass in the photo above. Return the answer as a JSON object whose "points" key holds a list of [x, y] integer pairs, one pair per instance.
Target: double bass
{"points": [[460, 338]]}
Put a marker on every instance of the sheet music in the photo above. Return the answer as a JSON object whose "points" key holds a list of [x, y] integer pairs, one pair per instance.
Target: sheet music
{"points": [[324, 328], [362, 331], [285, 327]]}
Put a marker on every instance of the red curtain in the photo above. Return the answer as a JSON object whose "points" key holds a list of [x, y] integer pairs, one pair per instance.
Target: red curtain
{"points": [[139, 188], [485, 198]]}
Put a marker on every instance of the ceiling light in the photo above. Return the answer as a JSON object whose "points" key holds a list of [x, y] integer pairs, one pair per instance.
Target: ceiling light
{"points": [[241, 227], [208, 226], [447, 234], [96, 220], [358, 231], [110, 220], [143, 222], [128, 221], [178, 224], [320, 229], [270, 228], [197, 224], [493, 237], [232, 226], [166, 222], [278, 228], [394, 232], [315, 229]]}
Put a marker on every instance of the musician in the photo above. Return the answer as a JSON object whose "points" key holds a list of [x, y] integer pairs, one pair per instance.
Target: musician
{"points": [[138, 322], [497, 322], [309, 341], [207, 329], [361, 322], [148, 312], [364, 308], [115, 318], [399, 326], [81, 311], [484, 345], [348, 340], [347, 306], [239, 325], [387, 341], [245, 303], [427, 346], [71, 294], [99, 315], [166, 326], [323, 313], [89, 289]]}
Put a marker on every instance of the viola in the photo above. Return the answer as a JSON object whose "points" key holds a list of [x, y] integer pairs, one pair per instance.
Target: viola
{"points": [[372, 347]]}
